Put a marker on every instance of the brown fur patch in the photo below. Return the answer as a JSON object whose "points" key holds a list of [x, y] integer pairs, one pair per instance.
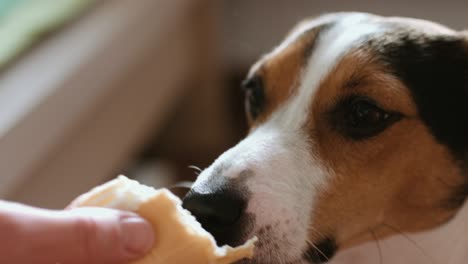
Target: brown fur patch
{"points": [[397, 180], [281, 73]]}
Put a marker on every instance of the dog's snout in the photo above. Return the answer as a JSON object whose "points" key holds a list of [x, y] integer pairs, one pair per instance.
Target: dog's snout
{"points": [[218, 210]]}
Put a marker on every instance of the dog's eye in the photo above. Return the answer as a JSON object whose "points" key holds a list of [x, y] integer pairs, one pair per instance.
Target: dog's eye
{"points": [[254, 96], [360, 118]]}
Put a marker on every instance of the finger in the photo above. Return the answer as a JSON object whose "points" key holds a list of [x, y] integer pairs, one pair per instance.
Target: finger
{"points": [[84, 235]]}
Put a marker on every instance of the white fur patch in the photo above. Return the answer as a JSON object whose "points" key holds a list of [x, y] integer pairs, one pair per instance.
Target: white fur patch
{"points": [[330, 47]]}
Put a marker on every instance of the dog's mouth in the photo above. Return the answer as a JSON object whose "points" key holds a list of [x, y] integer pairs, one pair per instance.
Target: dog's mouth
{"points": [[280, 240], [273, 247], [318, 253], [321, 252]]}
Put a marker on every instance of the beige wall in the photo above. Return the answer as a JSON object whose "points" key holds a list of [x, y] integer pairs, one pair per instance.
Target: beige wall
{"points": [[251, 27]]}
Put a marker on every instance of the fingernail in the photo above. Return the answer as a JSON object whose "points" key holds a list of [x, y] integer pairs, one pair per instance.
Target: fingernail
{"points": [[137, 235]]}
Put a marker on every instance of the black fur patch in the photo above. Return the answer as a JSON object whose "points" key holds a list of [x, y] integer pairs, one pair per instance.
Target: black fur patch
{"points": [[321, 252], [435, 69], [458, 197]]}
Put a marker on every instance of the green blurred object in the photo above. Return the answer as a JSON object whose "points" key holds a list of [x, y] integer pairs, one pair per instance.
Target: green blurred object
{"points": [[23, 22]]}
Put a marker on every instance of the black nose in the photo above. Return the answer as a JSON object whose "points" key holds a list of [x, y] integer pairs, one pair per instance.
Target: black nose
{"points": [[218, 212]]}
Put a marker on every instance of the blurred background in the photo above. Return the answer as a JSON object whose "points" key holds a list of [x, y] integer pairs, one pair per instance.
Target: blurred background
{"points": [[90, 89]]}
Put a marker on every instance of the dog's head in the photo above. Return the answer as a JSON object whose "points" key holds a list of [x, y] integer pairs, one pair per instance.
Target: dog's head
{"points": [[359, 129]]}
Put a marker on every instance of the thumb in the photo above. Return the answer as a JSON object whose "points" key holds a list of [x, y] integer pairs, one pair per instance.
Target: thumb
{"points": [[83, 235]]}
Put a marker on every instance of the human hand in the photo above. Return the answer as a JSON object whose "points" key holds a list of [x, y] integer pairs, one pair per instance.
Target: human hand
{"points": [[84, 235]]}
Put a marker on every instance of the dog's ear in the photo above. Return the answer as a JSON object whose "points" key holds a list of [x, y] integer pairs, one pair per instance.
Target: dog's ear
{"points": [[435, 70], [464, 34]]}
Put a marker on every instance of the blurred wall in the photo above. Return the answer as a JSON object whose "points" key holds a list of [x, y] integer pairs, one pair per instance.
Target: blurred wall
{"points": [[234, 33], [210, 118], [252, 27]]}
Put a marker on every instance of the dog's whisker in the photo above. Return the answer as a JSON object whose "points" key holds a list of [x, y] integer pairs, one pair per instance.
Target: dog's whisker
{"points": [[318, 250], [181, 189], [316, 231], [412, 241], [181, 185], [197, 169], [378, 245]]}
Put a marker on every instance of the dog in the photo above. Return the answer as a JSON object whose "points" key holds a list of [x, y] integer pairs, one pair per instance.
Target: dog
{"points": [[358, 131]]}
